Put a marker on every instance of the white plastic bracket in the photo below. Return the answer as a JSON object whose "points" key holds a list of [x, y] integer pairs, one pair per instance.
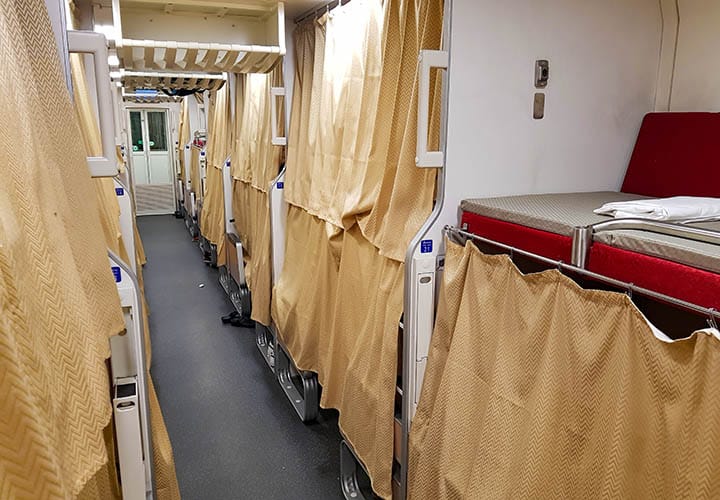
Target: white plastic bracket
{"points": [[428, 59], [88, 42], [276, 92]]}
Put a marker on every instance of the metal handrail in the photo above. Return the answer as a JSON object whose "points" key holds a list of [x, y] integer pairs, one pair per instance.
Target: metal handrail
{"points": [[711, 313], [680, 230]]}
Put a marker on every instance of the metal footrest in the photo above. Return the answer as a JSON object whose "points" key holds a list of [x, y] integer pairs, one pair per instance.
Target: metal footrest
{"points": [[209, 251], [240, 298], [224, 279], [192, 226], [265, 341], [301, 387], [351, 471]]}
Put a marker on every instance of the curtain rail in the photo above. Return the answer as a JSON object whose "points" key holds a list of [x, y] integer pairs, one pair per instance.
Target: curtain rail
{"points": [[712, 314], [325, 7]]}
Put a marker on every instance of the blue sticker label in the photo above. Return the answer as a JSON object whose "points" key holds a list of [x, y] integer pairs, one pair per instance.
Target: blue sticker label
{"points": [[426, 246], [119, 191], [280, 185], [116, 273]]}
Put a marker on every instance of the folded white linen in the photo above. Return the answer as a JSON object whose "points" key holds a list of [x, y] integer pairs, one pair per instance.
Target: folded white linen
{"points": [[677, 208]]}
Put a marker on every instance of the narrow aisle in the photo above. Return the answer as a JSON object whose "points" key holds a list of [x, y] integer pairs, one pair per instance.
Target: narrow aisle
{"points": [[234, 434]]}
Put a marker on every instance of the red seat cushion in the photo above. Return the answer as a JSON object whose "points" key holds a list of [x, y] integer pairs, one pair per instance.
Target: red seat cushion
{"points": [[676, 154]]}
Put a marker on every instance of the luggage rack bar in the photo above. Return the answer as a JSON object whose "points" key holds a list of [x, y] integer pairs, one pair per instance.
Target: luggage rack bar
{"points": [[582, 237], [712, 314]]}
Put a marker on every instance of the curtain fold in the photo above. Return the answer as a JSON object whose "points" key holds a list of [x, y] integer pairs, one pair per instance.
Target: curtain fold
{"points": [[334, 112], [58, 301], [404, 198], [536, 387]]}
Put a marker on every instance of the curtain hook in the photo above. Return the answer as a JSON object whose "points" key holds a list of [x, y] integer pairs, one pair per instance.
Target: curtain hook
{"points": [[560, 266], [712, 322], [629, 290]]}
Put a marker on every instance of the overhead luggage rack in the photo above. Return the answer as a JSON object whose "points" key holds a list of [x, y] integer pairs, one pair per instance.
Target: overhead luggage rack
{"points": [[208, 36], [172, 81]]}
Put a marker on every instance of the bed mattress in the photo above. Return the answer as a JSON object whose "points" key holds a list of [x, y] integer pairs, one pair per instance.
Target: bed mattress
{"points": [[692, 253], [543, 224], [554, 213]]}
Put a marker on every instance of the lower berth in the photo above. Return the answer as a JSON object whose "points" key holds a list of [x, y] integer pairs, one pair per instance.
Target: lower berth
{"points": [[536, 387]]}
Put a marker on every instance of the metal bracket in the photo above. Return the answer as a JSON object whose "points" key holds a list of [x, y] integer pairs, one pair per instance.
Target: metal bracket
{"points": [[307, 403], [266, 343], [350, 466]]}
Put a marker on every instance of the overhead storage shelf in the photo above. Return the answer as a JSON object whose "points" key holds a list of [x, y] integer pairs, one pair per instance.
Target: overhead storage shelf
{"points": [[199, 36]]}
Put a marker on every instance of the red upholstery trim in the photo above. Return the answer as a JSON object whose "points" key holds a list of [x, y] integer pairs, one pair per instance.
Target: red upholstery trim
{"points": [[670, 278], [547, 244], [676, 154]]}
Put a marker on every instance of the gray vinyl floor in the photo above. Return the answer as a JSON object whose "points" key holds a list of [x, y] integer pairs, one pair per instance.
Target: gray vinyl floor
{"points": [[234, 434]]}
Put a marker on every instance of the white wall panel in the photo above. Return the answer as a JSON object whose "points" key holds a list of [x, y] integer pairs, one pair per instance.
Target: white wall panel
{"points": [[604, 57], [696, 85]]}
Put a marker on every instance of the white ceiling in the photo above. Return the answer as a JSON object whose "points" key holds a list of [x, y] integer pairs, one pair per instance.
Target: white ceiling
{"points": [[294, 8]]}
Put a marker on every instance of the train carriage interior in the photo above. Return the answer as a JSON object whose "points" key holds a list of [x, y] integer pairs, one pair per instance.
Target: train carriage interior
{"points": [[359, 249]]}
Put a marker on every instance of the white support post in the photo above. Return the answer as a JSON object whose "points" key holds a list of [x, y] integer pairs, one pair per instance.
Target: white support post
{"points": [[129, 367]]}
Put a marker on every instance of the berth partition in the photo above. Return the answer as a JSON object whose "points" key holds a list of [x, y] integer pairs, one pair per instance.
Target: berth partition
{"points": [[591, 100]]}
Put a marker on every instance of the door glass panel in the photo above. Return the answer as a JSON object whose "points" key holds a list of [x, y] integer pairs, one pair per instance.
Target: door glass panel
{"points": [[136, 131], [157, 134]]}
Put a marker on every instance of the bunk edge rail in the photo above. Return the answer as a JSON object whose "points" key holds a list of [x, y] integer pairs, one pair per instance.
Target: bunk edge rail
{"points": [[712, 314], [583, 236]]}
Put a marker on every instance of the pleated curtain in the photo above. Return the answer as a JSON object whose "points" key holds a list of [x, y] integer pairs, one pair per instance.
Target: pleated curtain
{"points": [[537, 388], [58, 301], [351, 155]]}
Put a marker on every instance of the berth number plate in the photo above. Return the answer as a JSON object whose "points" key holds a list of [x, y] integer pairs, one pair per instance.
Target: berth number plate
{"points": [[119, 191], [116, 273], [426, 246]]}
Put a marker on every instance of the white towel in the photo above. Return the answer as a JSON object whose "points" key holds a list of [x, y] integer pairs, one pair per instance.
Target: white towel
{"points": [[677, 208]]}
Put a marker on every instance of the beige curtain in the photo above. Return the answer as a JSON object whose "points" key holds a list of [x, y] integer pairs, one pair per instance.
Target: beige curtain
{"points": [[356, 201], [350, 162], [58, 301], [255, 164], [405, 196], [335, 104], [537, 388]]}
